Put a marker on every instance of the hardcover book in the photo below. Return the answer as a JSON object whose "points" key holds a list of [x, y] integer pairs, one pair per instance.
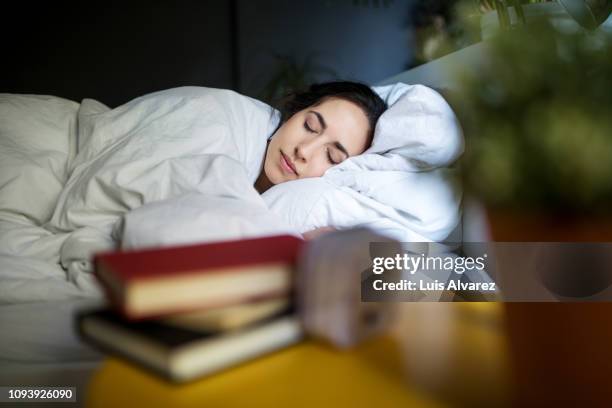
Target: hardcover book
{"points": [[179, 353], [164, 281]]}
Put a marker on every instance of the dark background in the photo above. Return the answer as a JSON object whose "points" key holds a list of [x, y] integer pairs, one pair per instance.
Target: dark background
{"points": [[114, 52]]}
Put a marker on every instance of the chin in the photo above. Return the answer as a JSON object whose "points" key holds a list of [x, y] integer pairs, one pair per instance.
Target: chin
{"points": [[279, 179], [274, 176]]}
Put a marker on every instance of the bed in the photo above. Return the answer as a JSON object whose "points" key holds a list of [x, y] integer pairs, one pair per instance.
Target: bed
{"points": [[47, 236]]}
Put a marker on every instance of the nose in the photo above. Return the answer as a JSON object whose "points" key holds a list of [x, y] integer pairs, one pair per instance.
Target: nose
{"points": [[305, 149]]}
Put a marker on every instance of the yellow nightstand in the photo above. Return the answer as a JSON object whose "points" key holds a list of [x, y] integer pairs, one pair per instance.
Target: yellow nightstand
{"points": [[311, 374], [306, 375]]}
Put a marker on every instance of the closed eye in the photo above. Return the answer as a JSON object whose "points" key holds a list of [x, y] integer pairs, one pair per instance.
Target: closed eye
{"points": [[308, 128], [330, 159]]}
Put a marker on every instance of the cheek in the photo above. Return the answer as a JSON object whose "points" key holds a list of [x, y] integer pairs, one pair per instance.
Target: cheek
{"points": [[274, 145], [270, 158], [291, 132], [317, 167]]}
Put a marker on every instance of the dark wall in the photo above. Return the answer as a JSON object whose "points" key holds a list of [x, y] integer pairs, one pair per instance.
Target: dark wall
{"points": [[359, 42], [115, 52]]}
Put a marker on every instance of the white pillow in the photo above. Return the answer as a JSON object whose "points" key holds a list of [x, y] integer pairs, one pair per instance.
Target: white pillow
{"points": [[399, 186], [418, 132], [37, 140], [430, 205]]}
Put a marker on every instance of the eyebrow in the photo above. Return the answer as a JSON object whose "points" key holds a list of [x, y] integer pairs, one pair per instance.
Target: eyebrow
{"points": [[338, 145]]}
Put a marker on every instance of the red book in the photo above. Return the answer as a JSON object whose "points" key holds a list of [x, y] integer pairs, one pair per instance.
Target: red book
{"points": [[163, 281]]}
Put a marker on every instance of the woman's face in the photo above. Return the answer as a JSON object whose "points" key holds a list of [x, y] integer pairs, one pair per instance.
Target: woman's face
{"points": [[315, 139]]}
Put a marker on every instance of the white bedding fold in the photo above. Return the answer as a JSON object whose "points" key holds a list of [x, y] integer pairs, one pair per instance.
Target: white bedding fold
{"points": [[199, 217]]}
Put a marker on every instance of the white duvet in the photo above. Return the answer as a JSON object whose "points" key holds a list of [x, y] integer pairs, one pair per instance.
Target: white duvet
{"points": [[192, 153]]}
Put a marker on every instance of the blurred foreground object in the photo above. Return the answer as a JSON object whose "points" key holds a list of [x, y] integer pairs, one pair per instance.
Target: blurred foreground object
{"points": [[328, 287], [560, 352], [538, 155], [456, 351], [179, 353], [537, 120], [144, 283], [192, 310]]}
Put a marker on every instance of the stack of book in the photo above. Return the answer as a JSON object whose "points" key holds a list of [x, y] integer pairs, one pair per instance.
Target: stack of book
{"points": [[188, 311]]}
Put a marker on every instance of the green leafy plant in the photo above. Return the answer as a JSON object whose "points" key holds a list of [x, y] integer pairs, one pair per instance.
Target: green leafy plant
{"points": [[441, 27], [538, 120], [502, 6]]}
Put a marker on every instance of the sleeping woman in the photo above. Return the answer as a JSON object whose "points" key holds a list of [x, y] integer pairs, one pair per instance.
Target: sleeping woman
{"points": [[319, 128], [207, 142]]}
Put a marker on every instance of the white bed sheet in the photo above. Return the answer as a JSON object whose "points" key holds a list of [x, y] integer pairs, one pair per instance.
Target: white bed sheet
{"points": [[43, 332]]}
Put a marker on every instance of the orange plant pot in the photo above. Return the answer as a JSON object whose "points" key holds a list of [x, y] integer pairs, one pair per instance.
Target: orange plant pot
{"points": [[561, 353]]}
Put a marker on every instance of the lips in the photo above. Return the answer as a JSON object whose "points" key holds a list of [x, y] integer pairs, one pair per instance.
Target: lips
{"points": [[287, 164]]}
